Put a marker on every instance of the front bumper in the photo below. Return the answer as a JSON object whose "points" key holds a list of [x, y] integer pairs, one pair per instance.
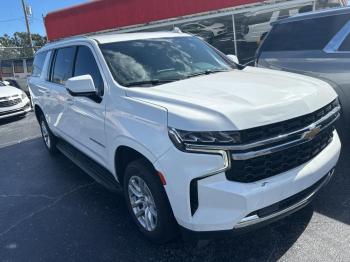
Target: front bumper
{"points": [[255, 221], [17, 110], [226, 205]]}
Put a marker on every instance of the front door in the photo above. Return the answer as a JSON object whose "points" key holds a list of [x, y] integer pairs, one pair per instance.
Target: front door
{"points": [[85, 116]]}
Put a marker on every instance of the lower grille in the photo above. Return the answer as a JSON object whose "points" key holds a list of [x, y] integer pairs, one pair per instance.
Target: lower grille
{"points": [[292, 200], [8, 103], [258, 168], [15, 110]]}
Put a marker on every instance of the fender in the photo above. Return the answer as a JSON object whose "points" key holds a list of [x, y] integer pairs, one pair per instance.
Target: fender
{"points": [[128, 142]]}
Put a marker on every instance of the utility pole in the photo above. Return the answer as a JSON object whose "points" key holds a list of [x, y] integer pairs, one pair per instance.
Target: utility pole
{"points": [[28, 29]]}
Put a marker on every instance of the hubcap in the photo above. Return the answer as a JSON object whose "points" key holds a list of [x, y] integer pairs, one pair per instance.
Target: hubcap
{"points": [[142, 203], [45, 134]]}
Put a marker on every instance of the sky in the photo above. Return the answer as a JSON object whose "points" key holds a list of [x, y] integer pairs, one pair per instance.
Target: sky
{"points": [[12, 17]]}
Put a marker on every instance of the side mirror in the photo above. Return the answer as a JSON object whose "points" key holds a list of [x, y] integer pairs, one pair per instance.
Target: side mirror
{"points": [[233, 58], [81, 86]]}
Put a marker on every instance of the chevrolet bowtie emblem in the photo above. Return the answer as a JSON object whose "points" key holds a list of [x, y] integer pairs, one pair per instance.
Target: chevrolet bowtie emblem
{"points": [[312, 133]]}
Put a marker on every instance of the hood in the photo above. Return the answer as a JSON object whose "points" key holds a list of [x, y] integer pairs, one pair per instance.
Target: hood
{"points": [[9, 91], [238, 99]]}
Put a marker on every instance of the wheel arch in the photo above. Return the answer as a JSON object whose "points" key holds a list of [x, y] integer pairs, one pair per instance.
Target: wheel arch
{"points": [[38, 111], [124, 154]]}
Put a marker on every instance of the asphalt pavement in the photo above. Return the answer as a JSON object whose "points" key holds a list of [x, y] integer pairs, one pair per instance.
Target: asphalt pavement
{"points": [[50, 210]]}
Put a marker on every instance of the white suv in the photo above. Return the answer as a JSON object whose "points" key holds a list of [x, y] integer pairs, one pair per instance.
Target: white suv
{"points": [[196, 141]]}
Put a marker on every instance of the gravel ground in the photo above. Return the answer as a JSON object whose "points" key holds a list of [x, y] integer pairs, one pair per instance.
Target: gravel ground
{"points": [[52, 211]]}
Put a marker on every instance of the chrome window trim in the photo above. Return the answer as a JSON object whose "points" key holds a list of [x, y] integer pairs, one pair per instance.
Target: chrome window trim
{"points": [[333, 46]]}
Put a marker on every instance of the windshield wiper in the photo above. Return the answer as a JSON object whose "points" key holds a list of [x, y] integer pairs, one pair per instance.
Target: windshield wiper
{"points": [[207, 72], [152, 82]]}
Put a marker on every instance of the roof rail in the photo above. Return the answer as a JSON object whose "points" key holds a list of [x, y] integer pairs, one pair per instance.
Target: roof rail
{"points": [[176, 30]]}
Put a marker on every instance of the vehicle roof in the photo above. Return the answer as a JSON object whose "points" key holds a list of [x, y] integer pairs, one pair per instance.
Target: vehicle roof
{"points": [[312, 15], [110, 37], [115, 37]]}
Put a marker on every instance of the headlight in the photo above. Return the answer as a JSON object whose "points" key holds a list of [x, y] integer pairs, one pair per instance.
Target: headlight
{"points": [[182, 138], [23, 96]]}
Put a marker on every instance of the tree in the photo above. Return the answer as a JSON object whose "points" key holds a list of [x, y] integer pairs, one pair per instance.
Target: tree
{"points": [[17, 46]]}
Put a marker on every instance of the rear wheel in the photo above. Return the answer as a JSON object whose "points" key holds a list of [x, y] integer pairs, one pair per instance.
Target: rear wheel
{"points": [[147, 202], [49, 138]]}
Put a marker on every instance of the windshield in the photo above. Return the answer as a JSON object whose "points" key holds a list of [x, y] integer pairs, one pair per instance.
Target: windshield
{"points": [[162, 60], [2, 84]]}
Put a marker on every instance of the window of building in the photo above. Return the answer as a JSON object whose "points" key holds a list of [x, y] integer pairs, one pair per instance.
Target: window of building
{"points": [[85, 64], [216, 31], [29, 64], [63, 65], [259, 18], [6, 68], [18, 66]]}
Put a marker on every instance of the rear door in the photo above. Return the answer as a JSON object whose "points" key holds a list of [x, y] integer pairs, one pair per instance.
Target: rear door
{"points": [[85, 116], [36, 82], [60, 69]]}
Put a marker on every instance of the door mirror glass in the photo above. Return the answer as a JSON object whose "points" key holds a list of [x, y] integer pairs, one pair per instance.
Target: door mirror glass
{"points": [[81, 85], [233, 58]]}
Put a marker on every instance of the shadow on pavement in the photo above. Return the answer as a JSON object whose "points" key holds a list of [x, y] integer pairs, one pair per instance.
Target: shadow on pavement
{"points": [[334, 200], [52, 211], [9, 120]]}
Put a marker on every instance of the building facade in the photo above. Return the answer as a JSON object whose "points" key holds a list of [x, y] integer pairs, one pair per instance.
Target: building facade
{"points": [[232, 26]]}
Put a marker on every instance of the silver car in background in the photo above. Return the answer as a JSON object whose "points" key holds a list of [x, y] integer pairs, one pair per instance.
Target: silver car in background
{"points": [[315, 44]]}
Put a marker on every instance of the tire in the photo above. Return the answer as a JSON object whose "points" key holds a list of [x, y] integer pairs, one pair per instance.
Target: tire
{"points": [[161, 227], [49, 139]]}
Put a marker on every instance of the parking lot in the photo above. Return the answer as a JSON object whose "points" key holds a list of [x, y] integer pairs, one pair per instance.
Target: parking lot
{"points": [[52, 211]]}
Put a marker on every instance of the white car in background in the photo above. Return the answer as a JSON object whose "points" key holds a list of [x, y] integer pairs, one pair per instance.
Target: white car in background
{"points": [[13, 101], [207, 32]]}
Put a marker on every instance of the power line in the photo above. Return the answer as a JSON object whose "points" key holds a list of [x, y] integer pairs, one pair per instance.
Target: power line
{"points": [[11, 20]]}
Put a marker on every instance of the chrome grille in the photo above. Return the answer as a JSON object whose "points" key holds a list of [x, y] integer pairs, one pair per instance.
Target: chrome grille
{"points": [[305, 137], [264, 132], [11, 102], [258, 168]]}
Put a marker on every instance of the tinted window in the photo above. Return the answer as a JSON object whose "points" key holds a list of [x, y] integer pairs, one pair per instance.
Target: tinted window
{"points": [[309, 34], [6, 68], [29, 63], [38, 63], [345, 46], [85, 64], [63, 65]]}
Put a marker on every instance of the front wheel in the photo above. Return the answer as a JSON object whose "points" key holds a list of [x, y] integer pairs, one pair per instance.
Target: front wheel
{"points": [[147, 202], [49, 138]]}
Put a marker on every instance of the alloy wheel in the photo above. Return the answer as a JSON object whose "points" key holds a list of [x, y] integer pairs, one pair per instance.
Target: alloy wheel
{"points": [[142, 203], [45, 134]]}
